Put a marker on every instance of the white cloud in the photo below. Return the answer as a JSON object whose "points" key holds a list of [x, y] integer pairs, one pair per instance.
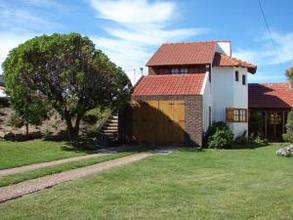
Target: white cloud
{"points": [[266, 54], [9, 41], [136, 29], [134, 11]]}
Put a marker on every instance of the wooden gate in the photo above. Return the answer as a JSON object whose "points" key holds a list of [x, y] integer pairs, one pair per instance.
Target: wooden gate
{"points": [[158, 122]]}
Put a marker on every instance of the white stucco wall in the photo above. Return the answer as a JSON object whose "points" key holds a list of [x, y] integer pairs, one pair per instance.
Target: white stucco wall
{"points": [[2, 93], [228, 93], [224, 47], [207, 100]]}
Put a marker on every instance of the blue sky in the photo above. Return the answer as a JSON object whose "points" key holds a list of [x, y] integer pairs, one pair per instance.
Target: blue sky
{"points": [[129, 31]]}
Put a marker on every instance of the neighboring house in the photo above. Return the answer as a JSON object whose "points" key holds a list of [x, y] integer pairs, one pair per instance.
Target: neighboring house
{"points": [[189, 86], [2, 92], [1, 80], [269, 104]]}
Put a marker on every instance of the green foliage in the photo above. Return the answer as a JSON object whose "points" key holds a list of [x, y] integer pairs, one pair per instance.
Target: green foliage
{"points": [[219, 135], [259, 140], [65, 72], [94, 115], [285, 137], [289, 73], [288, 136]]}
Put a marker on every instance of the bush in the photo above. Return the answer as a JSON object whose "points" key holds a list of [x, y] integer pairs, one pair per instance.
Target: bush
{"points": [[257, 140], [288, 136], [15, 121], [92, 116], [219, 135], [285, 137]]}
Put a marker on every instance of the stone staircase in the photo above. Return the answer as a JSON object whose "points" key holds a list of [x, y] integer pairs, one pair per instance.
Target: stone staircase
{"points": [[110, 129]]}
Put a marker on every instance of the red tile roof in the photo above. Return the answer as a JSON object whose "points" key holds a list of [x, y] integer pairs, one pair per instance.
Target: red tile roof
{"points": [[223, 60], [174, 84], [270, 95], [184, 54]]}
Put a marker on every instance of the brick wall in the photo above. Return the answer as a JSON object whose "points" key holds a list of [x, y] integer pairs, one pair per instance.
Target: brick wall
{"points": [[193, 115]]}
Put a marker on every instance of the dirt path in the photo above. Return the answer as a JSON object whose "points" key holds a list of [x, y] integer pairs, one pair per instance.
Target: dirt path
{"points": [[35, 166], [30, 186]]}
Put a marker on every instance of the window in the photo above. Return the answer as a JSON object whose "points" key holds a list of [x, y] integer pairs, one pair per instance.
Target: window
{"points": [[243, 80], [175, 71], [236, 115], [210, 116], [183, 70], [236, 76], [275, 118]]}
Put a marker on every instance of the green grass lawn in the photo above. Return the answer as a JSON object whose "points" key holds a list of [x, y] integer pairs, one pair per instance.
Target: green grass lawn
{"points": [[13, 154], [213, 184], [16, 178]]}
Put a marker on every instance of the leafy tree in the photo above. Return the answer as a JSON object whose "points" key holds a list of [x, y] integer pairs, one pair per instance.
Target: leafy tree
{"points": [[288, 136], [289, 74], [65, 72]]}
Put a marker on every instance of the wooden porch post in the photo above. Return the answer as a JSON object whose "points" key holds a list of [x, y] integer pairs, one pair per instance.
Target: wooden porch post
{"points": [[284, 123], [266, 125]]}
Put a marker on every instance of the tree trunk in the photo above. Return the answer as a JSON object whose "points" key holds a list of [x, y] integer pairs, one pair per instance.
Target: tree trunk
{"points": [[26, 129], [77, 123], [72, 131]]}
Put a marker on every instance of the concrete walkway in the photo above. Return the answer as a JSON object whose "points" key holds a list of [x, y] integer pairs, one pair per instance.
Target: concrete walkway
{"points": [[30, 186], [35, 166]]}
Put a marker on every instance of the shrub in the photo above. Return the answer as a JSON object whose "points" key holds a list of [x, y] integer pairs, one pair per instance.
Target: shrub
{"points": [[219, 135], [288, 136], [94, 115], [15, 120], [257, 140], [285, 137]]}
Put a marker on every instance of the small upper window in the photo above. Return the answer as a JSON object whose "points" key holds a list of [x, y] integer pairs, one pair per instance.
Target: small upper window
{"points": [[175, 71], [183, 70], [243, 79], [236, 76]]}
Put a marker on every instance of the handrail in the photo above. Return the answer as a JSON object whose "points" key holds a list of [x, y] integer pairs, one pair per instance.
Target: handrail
{"points": [[104, 120]]}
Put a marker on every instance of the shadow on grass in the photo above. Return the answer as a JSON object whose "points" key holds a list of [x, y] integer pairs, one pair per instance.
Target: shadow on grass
{"points": [[247, 146]]}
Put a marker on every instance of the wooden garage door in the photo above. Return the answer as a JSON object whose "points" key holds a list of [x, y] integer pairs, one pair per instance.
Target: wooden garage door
{"points": [[158, 122]]}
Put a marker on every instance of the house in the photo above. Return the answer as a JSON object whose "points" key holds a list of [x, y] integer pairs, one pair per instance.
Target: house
{"points": [[1, 80], [269, 104], [3, 96], [189, 86]]}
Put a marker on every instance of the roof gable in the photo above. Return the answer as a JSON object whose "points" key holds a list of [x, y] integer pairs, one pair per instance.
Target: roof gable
{"points": [[175, 84], [184, 54], [270, 95], [222, 60]]}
